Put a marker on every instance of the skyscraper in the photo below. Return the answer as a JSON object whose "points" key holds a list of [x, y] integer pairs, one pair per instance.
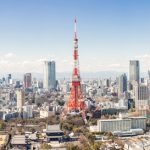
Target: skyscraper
{"points": [[122, 84], [142, 102], [134, 72], [20, 99], [49, 75], [27, 80], [9, 81], [149, 74], [141, 92]]}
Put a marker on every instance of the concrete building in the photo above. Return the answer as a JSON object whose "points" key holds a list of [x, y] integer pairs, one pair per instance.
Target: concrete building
{"points": [[19, 142], [3, 140], [27, 80], [54, 133], [137, 143], [143, 92], [112, 125], [20, 99], [9, 79], [83, 86], [106, 82], [138, 122], [142, 102], [122, 84], [49, 75], [46, 113], [27, 111], [134, 72], [10, 115]]}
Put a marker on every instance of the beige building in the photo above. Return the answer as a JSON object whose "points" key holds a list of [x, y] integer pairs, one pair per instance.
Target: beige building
{"points": [[20, 99], [3, 140]]}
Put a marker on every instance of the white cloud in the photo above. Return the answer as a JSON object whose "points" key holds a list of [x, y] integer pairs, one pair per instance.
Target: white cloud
{"points": [[115, 65], [144, 62], [145, 56], [10, 63], [9, 55]]}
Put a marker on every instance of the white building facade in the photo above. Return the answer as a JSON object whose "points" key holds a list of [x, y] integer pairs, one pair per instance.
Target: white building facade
{"points": [[49, 75]]}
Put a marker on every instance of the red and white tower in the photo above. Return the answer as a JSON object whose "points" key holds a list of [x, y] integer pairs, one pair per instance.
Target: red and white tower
{"points": [[76, 101]]}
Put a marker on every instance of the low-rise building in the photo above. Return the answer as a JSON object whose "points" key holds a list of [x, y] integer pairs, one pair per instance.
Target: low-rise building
{"points": [[121, 124], [27, 111], [19, 141], [3, 140], [138, 122], [137, 143], [111, 125], [46, 113], [93, 128], [54, 133]]}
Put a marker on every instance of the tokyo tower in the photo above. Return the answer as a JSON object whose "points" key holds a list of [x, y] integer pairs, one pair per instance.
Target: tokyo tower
{"points": [[76, 101]]}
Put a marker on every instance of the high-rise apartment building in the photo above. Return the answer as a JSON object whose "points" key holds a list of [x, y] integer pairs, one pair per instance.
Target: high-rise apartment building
{"points": [[141, 92], [149, 74], [122, 84], [27, 80], [142, 102], [9, 79], [134, 72], [20, 99], [49, 75]]}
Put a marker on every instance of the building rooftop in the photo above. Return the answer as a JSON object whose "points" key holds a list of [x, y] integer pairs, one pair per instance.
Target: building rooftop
{"points": [[53, 128], [3, 139], [18, 139], [139, 117], [118, 119]]}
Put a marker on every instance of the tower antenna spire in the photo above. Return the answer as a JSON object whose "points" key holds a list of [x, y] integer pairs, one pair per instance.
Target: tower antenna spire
{"points": [[75, 28]]}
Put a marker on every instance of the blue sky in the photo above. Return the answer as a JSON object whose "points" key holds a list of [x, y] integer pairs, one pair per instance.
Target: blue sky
{"points": [[111, 32]]}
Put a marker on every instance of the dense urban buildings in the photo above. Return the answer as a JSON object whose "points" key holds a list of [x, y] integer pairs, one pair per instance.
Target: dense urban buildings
{"points": [[95, 113], [110, 111]]}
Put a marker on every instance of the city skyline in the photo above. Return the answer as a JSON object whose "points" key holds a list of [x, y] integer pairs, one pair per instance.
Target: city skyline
{"points": [[36, 31]]}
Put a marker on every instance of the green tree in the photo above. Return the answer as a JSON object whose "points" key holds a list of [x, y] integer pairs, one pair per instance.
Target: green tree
{"points": [[91, 138], [72, 147], [2, 125], [76, 130], [97, 145], [45, 146]]}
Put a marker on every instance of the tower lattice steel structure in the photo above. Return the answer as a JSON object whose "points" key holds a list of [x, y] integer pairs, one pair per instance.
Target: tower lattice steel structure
{"points": [[76, 100]]}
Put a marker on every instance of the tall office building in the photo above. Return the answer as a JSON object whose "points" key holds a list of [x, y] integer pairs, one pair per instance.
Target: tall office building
{"points": [[142, 102], [134, 71], [149, 74], [49, 75], [122, 84], [9, 79], [27, 80], [20, 99]]}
